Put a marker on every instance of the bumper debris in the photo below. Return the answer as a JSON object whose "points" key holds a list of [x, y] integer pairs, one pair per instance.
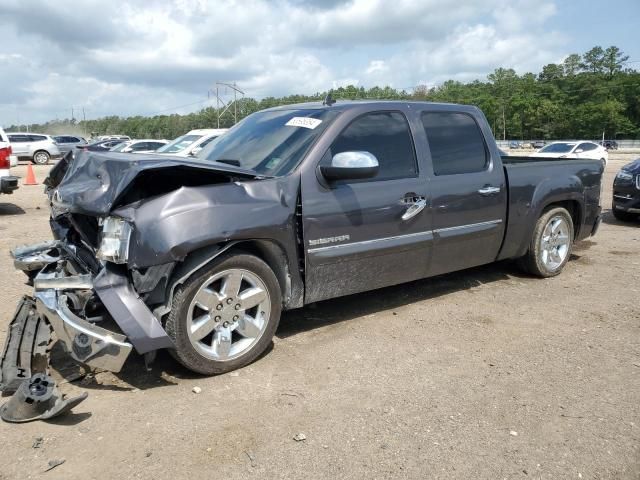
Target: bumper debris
{"points": [[26, 349], [37, 398]]}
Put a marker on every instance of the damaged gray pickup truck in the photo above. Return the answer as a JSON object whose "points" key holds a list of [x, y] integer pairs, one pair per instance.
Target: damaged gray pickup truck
{"points": [[293, 205]]}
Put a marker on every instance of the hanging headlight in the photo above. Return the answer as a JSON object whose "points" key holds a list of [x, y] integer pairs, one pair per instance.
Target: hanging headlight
{"points": [[114, 243]]}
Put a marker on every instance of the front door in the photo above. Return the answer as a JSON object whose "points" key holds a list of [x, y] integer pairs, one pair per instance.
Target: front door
{"points": [[365, 234], [468, 193]]}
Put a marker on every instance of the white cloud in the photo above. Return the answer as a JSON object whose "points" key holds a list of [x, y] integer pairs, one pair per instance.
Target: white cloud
{"points": [[142, 56]]}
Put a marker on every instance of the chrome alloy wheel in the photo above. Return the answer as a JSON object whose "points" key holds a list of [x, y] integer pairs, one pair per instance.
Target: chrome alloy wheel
{"points": [[554, 244], [228, 314], [41, 158]]}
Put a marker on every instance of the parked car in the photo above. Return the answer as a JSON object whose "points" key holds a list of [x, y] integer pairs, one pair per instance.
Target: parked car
{"points": [[579, 149], [8, 183], [538, 144], [191, 143], [139, 146], [34, 146], [122, 138], [68, 142], [609, 144], [293, 205], [626, 193], [101, 146], [514, 145]]}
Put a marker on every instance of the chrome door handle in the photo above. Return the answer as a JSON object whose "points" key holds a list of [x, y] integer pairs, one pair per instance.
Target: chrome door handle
{"points": [[415, 208], [487, 190]]}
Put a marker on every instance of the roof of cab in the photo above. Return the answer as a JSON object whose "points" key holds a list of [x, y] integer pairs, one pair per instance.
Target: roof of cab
{"points": [[347, 104]]}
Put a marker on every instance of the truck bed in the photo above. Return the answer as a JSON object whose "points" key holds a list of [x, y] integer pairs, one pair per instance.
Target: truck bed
{"points": [[568, 180]]}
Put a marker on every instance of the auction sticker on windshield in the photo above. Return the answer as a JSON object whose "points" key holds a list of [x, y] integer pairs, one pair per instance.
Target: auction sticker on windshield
{"points": [[304, 122]]}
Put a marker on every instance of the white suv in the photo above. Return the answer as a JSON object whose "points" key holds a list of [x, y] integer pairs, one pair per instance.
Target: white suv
{"points": [[8, 183], [34, 146]]}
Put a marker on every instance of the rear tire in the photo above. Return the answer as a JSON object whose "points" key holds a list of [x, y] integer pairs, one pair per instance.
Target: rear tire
{"points": [[551, 243], [41, 157], [225, 315]]}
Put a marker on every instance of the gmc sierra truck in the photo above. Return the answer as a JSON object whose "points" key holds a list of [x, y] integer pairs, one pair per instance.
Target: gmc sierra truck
{"points": [[293, 205]]}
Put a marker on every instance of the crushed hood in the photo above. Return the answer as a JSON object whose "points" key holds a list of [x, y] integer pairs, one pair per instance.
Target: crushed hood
{"points": [[92, 183]]}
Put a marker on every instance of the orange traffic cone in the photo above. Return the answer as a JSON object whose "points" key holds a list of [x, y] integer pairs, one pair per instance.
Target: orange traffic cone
{"points": [[31, 178]]}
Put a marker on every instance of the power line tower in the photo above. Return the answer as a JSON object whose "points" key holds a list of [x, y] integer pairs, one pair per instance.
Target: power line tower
{"points": [[222, 105]]}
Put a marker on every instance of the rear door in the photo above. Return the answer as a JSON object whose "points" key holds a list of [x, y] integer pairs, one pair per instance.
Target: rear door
{"points": [[19, 144], [357, 234], [468, 190]]}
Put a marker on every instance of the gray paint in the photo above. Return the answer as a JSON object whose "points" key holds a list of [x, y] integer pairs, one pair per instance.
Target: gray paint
{"points": [[130, 313], [221, 207]]}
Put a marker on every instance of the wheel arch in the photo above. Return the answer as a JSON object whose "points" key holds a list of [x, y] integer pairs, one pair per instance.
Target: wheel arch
{"points": [[269, 251]]}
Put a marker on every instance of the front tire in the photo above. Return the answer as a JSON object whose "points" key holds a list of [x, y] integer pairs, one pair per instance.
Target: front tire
{"points": [[225, 315], [551, 244], [41, 157]]}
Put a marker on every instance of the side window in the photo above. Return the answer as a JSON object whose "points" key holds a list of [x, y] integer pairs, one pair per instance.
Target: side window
{"points": [[37, 138], [140, 146], [385, 135], [18, 138], [456, 143], [587, 147]]}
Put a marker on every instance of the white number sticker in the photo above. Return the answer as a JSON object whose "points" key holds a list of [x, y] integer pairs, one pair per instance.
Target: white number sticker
{"points": [[304, 122]]}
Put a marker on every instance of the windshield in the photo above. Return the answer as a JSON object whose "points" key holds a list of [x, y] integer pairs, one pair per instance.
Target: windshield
{"points": [[120, 147], [558, 148], [270, 143], [179, 144]]}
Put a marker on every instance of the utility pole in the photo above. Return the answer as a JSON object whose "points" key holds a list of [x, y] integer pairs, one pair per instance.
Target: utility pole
{"points": [[227, 105]]}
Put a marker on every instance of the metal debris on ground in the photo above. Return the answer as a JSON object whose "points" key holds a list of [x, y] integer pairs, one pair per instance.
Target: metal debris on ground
{"points": [[26, 348], [54, 463], [37, 398], [251, 458], [300, 437]]}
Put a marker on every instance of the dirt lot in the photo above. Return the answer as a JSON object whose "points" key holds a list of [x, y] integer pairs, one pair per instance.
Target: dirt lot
{"points": [[479, 374]]}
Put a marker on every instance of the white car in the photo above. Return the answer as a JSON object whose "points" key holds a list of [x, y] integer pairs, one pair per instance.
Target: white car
{"points": [[8, 183], [147, 145], [190, 144], [577, 149]]}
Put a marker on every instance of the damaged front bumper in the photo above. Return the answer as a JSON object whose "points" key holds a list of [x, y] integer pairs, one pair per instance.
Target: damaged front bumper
{"points": [[83, 340], [63, 287]]}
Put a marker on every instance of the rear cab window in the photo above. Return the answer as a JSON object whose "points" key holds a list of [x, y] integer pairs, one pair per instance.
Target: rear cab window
{"points": [[456, 143]]}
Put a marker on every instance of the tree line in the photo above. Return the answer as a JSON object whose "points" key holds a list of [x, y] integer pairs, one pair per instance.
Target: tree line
{"points": [[585, 96]]}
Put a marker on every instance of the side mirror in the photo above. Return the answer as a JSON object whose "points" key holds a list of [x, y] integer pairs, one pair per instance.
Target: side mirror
{"points": [[195, 152], [351, 166], [579, 150]]}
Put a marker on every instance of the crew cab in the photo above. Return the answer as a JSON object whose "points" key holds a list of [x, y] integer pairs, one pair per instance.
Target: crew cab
{"points": [[8, 182], [293, 205]]}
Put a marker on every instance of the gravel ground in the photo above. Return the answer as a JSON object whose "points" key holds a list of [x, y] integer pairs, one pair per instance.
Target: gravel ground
{"points": [[485, 373]]}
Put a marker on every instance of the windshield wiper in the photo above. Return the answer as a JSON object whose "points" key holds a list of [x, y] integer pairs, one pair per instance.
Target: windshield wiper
{"points": [[229, 161]]}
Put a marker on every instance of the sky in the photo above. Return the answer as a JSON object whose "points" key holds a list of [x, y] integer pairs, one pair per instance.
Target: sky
{"points": [[143, 57]]}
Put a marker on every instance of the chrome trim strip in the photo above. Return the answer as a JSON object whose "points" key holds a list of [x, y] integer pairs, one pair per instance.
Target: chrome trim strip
{"points": [[428, 235], [471, 225]]}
